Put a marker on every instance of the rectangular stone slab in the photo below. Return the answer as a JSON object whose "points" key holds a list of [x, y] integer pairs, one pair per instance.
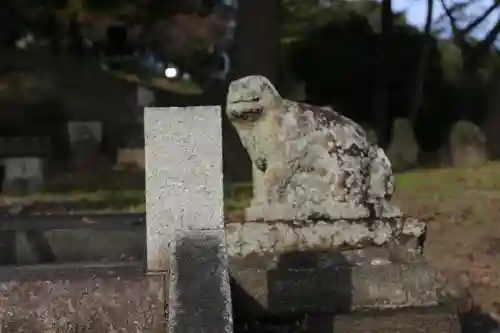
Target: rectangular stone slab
{"points": [[183, 151], [90, 305], [436, 319], [332, 289], [200, 298]]}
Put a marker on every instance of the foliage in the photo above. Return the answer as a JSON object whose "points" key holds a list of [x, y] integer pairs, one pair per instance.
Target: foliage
{"points": [[337, 61]]}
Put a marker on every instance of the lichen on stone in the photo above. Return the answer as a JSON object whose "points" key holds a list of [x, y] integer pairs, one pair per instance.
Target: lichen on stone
{"points": [[248, 238]]}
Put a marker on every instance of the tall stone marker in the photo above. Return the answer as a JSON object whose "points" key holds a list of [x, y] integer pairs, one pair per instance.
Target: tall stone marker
{"points": [[184, 191], [185, 230]]}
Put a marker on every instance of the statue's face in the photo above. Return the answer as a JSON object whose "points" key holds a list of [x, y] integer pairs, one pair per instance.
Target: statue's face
{"points": [[249, 97]]}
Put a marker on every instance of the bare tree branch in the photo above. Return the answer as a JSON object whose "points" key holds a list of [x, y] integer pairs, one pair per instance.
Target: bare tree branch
{"points": [[456, 7], [490, 38], [460, 34], [428, 21], [481, 18], [450, 16]]}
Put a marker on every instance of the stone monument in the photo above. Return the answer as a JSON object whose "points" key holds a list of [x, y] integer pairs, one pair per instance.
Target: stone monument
{"points": [[468, 146], [321, 234], [85, 139], [23, 160]]}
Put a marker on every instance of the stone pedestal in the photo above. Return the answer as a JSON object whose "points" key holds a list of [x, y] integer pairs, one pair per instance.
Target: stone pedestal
{"points": [[351, 272]]}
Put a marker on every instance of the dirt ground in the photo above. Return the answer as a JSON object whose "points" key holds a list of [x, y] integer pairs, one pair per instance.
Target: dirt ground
{"points": [[461, 206]]}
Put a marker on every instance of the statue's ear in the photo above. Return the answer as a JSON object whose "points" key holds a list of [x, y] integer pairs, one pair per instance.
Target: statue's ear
{"points": [[267, 87]]}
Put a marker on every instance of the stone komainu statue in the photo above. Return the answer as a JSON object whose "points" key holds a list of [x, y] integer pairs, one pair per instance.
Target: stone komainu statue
{"points": [[311, 161]]}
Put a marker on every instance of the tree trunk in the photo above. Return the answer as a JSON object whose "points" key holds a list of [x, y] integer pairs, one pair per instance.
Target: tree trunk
{"points": [[254, 51], [491, 122], [418, 82], [380, 112], [257, 39]]}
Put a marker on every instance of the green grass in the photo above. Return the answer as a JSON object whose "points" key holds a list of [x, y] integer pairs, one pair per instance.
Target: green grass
{"points": [[419, 185], [448, 182]]}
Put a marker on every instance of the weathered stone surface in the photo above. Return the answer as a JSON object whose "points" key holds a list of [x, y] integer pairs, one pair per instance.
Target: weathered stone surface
{"points": [[435, 319], [467, 145], [200, 299], [403, 150], [261, 238], [126, 304], [302, 283], [314, 161], [183, 175]]}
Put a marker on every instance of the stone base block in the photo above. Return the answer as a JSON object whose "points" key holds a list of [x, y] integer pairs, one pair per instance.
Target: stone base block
{"points": [[436, 319], [199, 299], [331, 289]]}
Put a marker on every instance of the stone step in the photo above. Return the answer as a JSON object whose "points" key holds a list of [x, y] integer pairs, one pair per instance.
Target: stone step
{"points": [[435, 319], [332, 289]]}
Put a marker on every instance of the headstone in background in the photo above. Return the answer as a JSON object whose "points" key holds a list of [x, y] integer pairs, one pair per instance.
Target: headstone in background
{"points": [[23, 161], [85, 140], [130, 158], [184, 189], [145, 96], [22, 175], [403, 149], [467, 145], [371, 133]]}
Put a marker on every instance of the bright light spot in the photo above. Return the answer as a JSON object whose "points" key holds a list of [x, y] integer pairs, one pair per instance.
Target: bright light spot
{"points": [[171, 72]]}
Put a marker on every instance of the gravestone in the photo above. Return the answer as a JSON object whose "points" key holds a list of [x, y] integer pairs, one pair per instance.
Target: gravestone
{"points": [[130, 157], [403, 149], [23, 161], [23, 175], [467, 145], [321, 235], [185, 233], [85, 139], [371, 134], [145, 96]]}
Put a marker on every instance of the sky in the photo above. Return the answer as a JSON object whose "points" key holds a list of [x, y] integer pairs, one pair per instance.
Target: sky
{"points": [[416, 11]]}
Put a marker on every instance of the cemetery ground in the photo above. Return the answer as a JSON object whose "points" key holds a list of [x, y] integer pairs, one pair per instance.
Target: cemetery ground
{"points": [[461, 206]]}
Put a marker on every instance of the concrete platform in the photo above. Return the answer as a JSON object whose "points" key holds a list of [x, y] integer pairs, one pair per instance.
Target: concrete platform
{"points": [[93, 300]]}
